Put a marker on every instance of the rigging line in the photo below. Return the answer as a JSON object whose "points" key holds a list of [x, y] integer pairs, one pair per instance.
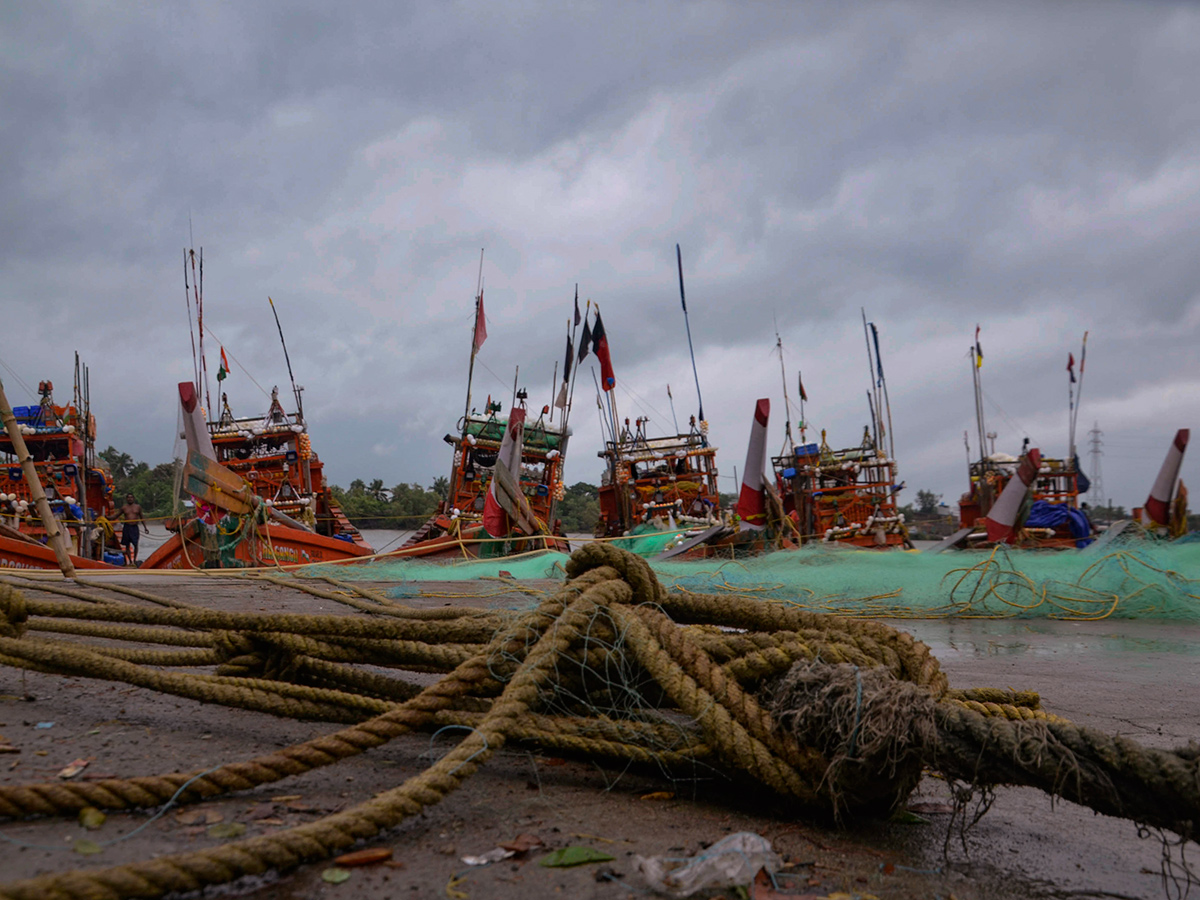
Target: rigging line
{"points": [[1008, 420], [645, 405], [28, 390], [216, 338], [499, 380]]}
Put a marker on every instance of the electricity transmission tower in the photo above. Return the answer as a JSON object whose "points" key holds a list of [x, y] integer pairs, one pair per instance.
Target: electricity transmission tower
{"points": [[1097, 490]]}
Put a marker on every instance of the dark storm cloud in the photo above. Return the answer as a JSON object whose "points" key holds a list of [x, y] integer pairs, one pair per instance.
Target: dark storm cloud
{"points": [[1035, 168]]}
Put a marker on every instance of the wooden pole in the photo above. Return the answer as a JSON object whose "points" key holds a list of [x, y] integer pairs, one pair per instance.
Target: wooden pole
{"points": [[54, 534]]}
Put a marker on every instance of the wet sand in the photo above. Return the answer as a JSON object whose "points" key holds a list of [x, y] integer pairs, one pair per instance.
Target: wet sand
{"points": [[1136, 678]]}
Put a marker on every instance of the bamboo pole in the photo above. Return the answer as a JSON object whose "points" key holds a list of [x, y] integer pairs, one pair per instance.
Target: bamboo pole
{"points": [[54, 535]]}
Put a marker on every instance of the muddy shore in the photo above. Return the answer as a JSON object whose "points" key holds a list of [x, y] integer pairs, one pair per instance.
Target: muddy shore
{"points": [[1137, 678]]}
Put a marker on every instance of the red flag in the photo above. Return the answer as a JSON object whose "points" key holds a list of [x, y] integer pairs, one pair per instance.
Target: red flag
{"points": [[608, 380], [480, 326], [1071, 366]]}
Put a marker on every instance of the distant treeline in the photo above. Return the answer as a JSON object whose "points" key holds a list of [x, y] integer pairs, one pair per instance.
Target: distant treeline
{"points": [[406, 506]]}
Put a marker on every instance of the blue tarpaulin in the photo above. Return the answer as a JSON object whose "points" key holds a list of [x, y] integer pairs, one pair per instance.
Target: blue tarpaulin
{"points": [[1050, 515]]}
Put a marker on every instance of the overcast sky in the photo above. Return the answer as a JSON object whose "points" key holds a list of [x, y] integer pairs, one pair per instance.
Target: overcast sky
{"points": [[1033, 168]]}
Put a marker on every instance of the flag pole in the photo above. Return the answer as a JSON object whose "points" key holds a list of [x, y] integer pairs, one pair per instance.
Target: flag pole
{"points": [[673, 418], [291, 377], [474, 332], [566, 417], [687, 325]]}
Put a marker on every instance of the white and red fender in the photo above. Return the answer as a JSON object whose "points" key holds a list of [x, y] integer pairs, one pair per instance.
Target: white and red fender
{"points": [[752, 503], [1002, 517], [1157, 510]]}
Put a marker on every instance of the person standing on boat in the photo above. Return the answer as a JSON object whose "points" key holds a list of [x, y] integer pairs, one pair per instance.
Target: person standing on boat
{"points": [[130, 515]]}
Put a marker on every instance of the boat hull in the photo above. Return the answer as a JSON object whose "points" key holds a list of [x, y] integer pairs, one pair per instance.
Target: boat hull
{"points": [[272, 545], [15, 554], [473, 543]]}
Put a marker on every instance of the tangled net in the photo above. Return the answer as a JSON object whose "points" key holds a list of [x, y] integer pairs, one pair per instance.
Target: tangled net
{"points": [[839, 715]]}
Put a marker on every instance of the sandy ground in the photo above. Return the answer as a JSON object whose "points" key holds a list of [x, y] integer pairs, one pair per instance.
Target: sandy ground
{"points": [[1135, 678]]}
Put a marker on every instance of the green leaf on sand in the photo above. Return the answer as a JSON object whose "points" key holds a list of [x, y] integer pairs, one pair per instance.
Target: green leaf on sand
{"points": [[91, 818], [905, 817], [335, 875], [573, 856], [86, 847]]}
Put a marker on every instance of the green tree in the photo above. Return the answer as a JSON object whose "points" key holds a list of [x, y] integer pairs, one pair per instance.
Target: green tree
{"points": [[927, 502], [579, 508], [441, 487], [120, 464]]}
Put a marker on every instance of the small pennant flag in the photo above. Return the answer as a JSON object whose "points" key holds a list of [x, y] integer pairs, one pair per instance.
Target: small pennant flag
{"points": [[1083, 354], [803, 393], [978, 350], [577, 316], [1071, 366], [669, 397], [223, 372]]}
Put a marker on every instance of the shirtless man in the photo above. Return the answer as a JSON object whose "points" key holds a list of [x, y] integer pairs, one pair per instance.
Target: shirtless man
{"points": [[130, 515]]}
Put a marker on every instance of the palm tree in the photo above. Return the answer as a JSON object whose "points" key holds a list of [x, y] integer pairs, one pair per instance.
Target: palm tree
{"points": [[441, 487]]}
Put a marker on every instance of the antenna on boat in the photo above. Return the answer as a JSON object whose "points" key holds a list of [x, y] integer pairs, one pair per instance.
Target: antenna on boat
{"points": [[790, 442], [683, 300], [291, 377], [672, 399], [478, 335]]}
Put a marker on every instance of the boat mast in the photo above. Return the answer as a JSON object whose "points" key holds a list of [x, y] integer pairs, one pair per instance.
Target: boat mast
{"points": [[790, 445], [578, 358], [295, 390], [474, 335], [691, 352], [872, 398], [977, 379]]}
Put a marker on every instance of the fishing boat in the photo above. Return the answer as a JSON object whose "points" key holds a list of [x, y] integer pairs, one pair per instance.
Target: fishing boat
{"points": [[505, 484], [259, 495], [258, 488], [655, 485], [78, 486], [506, 478], [847, 496]]}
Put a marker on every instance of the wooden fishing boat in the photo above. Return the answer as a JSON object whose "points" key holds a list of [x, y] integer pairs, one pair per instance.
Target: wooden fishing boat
{"points": [[653, 485], [506, 477], [260, 496], [527, 490], [843, 496], [78, 485], [848, 496], [1030, 501]]}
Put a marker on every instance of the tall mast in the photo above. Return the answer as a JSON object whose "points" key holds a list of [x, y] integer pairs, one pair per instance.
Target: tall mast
{"points": [[683, 300], [474, 332], [872, 394], [790, 444], [977, 380], [291, 377]]}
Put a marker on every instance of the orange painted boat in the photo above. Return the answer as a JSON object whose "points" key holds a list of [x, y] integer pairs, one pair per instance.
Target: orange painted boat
{"points": [[243, 474], [242, 542], [459, 529], [62, 446]]}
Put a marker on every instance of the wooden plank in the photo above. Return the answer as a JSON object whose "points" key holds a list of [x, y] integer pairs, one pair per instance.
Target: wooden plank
{"points": [[949, 543], [513, 502], [702, 538], [213, 483], [214, 496]]}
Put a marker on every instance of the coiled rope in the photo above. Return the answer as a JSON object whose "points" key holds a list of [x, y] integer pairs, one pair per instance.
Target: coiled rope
{"points": [[840, 715]]}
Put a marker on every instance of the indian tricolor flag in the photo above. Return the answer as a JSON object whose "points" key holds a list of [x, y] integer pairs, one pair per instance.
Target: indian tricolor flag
{"points": [[223, 372]]}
